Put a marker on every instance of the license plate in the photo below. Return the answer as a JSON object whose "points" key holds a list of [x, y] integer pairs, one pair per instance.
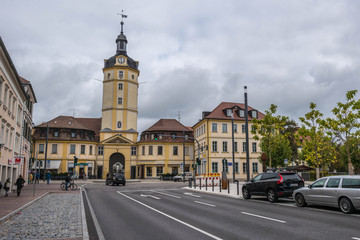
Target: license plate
{"points": [[294, 185]]}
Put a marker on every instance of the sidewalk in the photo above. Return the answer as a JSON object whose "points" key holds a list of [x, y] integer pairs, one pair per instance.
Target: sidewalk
{"points": [[12, 202]]}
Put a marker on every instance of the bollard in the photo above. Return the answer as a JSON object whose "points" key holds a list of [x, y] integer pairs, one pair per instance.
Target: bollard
{"points": [[228, 186], [237, 185], [190, 183], [206, 184], [213, 184], [194, 183], [200, 183], [220, 185]]}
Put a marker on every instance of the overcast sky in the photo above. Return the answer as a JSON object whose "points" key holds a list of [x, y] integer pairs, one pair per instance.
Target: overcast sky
{"points": [[193, 54]]}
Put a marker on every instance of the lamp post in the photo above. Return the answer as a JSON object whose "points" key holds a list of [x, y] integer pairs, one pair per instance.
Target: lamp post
{"points": [[233, 143], [247, 135]]}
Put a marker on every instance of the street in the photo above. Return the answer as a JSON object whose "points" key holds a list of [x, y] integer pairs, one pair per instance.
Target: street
{"points": [[163, 210]]}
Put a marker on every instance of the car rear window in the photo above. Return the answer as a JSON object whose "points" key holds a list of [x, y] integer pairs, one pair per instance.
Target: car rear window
{"points": [[287, 176], [351, 183]]}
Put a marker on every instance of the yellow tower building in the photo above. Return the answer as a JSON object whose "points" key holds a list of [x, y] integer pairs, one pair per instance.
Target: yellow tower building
{"points": [[118, 133]]}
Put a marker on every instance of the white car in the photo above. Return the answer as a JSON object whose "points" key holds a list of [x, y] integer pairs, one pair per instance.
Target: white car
{"points": [[180, 177]]}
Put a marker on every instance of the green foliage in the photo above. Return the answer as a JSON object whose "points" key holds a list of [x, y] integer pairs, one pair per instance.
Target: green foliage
{"points": [[280, 150]]}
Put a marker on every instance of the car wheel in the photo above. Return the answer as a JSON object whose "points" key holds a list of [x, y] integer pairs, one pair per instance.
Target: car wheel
{"points": [[271, 195], [300, 200], [117, 184], [346, 205], [123, 184], [246, 193]]}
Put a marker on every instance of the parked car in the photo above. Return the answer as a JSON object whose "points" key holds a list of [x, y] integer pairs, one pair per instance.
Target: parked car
{"points": [[334, 191], [274, 185], [180, 177], [116, 179]]}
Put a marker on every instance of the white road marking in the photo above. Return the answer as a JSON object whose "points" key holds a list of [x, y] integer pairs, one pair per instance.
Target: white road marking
{"points": [[146, 190], [149, 196], [286, 204], [191, 195], [173, 218], [207, 204], [166, 194], [272, 219], [355, 238]]}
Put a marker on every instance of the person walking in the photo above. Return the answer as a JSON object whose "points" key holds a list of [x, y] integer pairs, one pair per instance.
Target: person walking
{"points": [[48, 177], [19, 183], [31, 177], [7, 187], [37, 177], [67, 181]]}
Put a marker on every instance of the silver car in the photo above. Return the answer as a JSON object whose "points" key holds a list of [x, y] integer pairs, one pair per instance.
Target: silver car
{"points": [[334, 191]]}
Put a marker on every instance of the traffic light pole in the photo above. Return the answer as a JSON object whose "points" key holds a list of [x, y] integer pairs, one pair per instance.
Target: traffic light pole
{"points": [[46, 148], [247, 135]]}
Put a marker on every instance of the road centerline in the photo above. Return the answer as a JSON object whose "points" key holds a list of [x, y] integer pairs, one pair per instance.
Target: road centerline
{"points": [[263, 217], [171, 217], [207, 204], [166, 194], [192, 195]]}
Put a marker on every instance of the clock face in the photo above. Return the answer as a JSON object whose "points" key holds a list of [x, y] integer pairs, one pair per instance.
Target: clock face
{"points": [[121, 59]]}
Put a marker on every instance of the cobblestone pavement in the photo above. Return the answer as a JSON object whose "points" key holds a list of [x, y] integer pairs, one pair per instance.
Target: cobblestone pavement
{"points": [[55, 216]]}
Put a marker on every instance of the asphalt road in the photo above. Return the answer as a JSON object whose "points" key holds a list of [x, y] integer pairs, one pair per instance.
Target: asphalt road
{"points": [[162, 210]]}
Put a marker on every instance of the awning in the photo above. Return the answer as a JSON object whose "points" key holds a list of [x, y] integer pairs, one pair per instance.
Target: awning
{"points": [[50, 164]]}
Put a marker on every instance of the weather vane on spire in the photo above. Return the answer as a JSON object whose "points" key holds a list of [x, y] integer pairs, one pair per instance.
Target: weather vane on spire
{"points": [[122, 19]]}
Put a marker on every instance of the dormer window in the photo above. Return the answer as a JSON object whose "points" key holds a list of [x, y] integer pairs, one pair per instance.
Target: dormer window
{"points": [[73, 134], [241, 113], [254, 114], [56, 133], [229, 112]]}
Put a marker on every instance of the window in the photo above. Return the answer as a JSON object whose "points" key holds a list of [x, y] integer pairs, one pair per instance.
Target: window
{"points": [[254, 147], [82, 149], [149, 171], [224, 145], [6, 93], [41, 148], [237, 167], [255, 167], [242, 113], [244, 146], [226, 167], [253, 128], [333, 183], [351, 183], [228, 112], [159, 171], [73, 134], [175, 150], [100, 150], [72, 149], [254, 114], [174, 170], [2, 132], [19, 114], [224, 128], [119, 124], [132, 77], [121, 74], [133, 151], [214, 127], [187, 153], [13, 106], [1, 85], [214, 167], [120, 86], [214, 146], [243, 128], [159, 150], [150, 150], [120, 100], [56, 133], [54, 148], [90, 150], [235, 128], [244, 167], [320, 183], [235, 147]]}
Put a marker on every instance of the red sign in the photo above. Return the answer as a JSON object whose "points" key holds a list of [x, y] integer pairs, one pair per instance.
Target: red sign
{"points": [[15, 161]]}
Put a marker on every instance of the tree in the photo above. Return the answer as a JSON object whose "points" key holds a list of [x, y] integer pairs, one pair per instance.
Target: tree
{"points": [[269, 129], [290, 129], [311, 134], [355, 154], [345, 125]]}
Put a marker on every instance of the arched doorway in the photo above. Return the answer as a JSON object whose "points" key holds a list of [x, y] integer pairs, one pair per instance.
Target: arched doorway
{"points": [[116, 163]]}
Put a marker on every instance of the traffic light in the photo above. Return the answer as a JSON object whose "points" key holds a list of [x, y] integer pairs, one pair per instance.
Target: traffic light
{"points": [[75, 160], [198, 161], [156, 137], [224, 162], [41, 163]]}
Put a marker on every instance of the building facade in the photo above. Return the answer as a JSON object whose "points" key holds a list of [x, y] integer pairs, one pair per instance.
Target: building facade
{"points": [[16, 107], [214, 134]]}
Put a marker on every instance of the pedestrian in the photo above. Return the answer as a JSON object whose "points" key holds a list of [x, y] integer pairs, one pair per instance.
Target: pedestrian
{"points": [[19, 183], [37, 177], [31, 178], [48, 178], [67, 181], [7, 187]]}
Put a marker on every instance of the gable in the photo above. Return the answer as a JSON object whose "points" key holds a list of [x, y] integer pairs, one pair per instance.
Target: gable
{"points": [[117, 139]]}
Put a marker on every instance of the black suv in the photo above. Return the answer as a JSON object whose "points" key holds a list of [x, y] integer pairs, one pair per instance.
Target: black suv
{"points": [[116, 179], [274, 185]]}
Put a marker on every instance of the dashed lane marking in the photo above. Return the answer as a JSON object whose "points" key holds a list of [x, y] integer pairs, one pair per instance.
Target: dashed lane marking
{"points": [[169, 195], [207, 204], [263, 217]]}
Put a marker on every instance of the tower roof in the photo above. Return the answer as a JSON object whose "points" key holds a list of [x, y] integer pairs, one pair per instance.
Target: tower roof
{"points": [[168, 125]]}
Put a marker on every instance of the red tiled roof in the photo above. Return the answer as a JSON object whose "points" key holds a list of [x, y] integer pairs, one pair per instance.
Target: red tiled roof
{"points": [[168, 125], [65, 122], [218, 112], [24, 80]]}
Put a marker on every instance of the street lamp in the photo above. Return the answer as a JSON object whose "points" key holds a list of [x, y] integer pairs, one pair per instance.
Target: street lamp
{"points": [[247, 135], [233, 143]]}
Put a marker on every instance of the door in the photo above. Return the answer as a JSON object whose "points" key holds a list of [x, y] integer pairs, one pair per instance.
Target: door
{"points": [[256, 184], [331, 192], [133, 172], [314, 195]]}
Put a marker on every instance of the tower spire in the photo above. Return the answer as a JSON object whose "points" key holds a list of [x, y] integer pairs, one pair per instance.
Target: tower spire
{"points": [[121, 39], [122, 20]]}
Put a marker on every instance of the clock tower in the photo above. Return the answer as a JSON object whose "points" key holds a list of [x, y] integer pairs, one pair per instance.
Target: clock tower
{"points": [[118, 133]]}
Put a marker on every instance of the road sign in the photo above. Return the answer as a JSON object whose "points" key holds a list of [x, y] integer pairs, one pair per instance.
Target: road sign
{"points": [[229, 163], [203, 155]]}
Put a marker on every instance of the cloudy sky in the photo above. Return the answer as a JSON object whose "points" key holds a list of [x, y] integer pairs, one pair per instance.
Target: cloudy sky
{"points": [[193, 54]]}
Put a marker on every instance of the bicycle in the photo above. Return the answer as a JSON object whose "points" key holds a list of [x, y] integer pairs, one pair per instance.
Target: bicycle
{"points": [[71, 185]]}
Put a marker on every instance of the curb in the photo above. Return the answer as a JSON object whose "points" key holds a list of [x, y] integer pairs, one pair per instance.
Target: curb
{"points": [[83, 217], [213, 193], [21, 208]]}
